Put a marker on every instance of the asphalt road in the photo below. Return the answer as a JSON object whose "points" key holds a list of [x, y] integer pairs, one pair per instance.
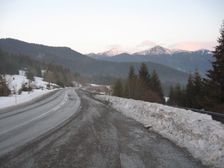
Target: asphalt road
{"points": [[98, 136], [24, 124]]}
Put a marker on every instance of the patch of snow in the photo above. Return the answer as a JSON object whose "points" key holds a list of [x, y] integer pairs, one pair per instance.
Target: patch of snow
{"points": [[203, 51], [94, 85], [22, 72], [15, 83], [210, 52], [39, 83], [166, 98], [202, 136]]}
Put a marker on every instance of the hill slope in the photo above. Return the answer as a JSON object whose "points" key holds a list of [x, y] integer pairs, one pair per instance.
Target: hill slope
{"points": [[83, 64]]}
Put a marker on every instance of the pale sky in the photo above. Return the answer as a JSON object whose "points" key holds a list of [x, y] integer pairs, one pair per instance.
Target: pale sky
{"points": [[96, 25]]}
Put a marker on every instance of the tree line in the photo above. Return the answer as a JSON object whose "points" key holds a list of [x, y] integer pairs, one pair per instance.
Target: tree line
{"points": [[204, 93], [141, 86]]}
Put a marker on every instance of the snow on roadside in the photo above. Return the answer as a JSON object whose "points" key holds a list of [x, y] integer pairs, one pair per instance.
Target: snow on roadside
{"points": [[202, 136], [7, 101], [15, 83]]}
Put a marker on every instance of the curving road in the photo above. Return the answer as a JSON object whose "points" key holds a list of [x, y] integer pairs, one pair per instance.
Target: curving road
{"points": [[96, 136], [22, 125]]}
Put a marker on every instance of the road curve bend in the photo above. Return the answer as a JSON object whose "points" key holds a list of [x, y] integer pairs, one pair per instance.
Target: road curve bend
{"points": [[20, 126], [100, 137]]}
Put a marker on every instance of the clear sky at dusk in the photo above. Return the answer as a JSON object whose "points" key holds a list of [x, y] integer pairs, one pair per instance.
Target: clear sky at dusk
{"points": [[96, 25]]}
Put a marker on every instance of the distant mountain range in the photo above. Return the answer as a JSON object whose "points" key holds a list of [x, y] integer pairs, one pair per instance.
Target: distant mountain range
{"points": [[100, 71], [185, 61]]}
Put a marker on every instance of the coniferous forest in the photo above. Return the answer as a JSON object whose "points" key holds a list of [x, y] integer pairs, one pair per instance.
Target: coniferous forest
{"points": [[200, 92], [141, 86]]}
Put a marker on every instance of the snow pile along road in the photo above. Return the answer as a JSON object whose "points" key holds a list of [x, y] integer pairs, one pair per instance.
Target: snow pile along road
{"points": [[202, 136], [7, 101]]}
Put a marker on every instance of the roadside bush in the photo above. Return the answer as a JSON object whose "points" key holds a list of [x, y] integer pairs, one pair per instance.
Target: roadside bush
{"points": [[26, 88]]}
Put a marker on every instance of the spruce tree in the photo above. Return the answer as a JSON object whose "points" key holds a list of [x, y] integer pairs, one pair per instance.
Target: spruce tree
{"points": [[155, 85], [118, 88], [216, 74], [198, 91], [143, 83], [189, 91], [131, 83], [144, 75]]}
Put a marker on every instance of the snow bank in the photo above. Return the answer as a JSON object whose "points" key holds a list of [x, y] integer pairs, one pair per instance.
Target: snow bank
{"points": [[12, 100], [202, 136]]}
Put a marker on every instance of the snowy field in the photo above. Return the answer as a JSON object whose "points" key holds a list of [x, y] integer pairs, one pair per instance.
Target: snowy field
{"points": [[198, 133], [15, 83]]}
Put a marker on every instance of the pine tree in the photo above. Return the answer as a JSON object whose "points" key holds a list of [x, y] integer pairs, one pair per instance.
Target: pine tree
{"points": [[155, 85], [144, 75], [216, 75], [198, 90], [131, 83], [189, 92], [143, 83], [118, 88]]}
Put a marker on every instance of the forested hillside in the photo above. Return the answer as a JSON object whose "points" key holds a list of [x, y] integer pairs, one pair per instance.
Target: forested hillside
{"points": [[11, 63]]}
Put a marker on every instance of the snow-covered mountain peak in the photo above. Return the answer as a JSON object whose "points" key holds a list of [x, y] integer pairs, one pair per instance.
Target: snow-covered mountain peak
{"points": [[112, 52], [157, 50], [204, 51]]}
